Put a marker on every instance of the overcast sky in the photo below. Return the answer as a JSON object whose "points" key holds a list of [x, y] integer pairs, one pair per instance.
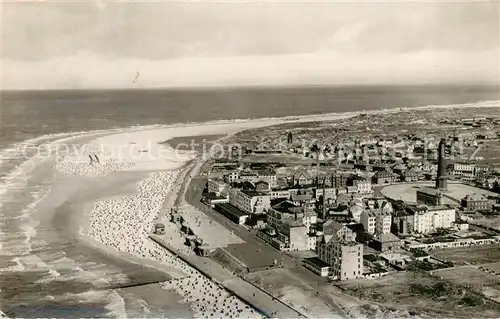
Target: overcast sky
{"points": [[100, 45]]}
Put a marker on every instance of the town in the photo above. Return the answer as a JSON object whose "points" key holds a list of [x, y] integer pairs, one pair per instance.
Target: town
{"points": [[357, 200]]}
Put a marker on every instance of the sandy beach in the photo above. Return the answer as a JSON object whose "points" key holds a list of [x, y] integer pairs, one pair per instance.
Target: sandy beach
{"points": [[122, 217]]}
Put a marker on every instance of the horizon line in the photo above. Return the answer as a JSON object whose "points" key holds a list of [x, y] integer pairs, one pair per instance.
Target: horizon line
{"points": [[257, 86]]}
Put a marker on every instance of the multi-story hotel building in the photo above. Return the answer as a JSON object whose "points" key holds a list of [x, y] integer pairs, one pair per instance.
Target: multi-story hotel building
{"points": [[336, 247]]}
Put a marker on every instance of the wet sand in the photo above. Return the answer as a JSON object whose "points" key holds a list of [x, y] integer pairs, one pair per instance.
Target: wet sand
{"points": [[162, 303]]}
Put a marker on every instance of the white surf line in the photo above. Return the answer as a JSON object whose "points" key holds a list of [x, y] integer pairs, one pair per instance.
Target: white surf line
{"points": [[15, 175]]}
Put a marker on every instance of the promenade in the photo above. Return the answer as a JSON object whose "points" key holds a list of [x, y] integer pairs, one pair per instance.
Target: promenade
{"points": [[260, 300]]}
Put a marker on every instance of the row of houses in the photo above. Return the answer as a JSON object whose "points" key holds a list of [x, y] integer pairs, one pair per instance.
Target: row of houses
{"points": [[468, 170], [465, 242]]}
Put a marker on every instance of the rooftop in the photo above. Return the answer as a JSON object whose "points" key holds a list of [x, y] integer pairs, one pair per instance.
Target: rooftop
{"points": [[388, 237], [475, 197], [228, 208], [302, 197], [213, 196], [252, 193], [376, 212], [316, 262], [331, 226], [285, 207]]}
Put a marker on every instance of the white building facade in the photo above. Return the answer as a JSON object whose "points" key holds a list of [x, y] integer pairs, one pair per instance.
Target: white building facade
{"points": [[368, 220], [341, 252], [218, 187], [376, 221], [250, 201], [364, 187], [430, 219]]}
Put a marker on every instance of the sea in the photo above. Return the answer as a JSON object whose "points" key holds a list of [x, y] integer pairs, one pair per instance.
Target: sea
{"points": [[35, 253]]}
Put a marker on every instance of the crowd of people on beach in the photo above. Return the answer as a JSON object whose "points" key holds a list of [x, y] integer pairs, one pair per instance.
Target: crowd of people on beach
{"points": [[124, 223], [208, 299], [92, 161]]}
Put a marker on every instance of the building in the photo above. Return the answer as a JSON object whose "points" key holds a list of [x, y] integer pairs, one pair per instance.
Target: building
{"points": [[218, 187], [262, 187], [328, 191], [464, 170], [337, 248], [232, 213], [280, 194], [225, 165], [343, 199], [302, 178], [302, 197], [318, 266], [482, 168], [399, 169], [376, 221], [386, 243], [476, 202], [461, 226], [287, 211], [429, 196], [356, 211], [404, 221], [232, 177], [290, 225], [442, 179], [429, 219], [212, 199], [352, 190], [383, 222], [341, 216], [384, 177], [368, 219], [312, 240], [258, 221], [338, 180], [461, 243], [269, 177], [250, 201], [363, 187], [249, 177], [410, 175]]}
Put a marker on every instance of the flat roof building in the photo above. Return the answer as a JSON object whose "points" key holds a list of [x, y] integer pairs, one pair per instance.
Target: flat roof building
{"points": [[232, 213]]}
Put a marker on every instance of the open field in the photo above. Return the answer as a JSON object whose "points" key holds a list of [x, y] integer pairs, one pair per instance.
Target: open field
{"points": [[493, 267], [493, 222], [419, 295], [408, 191], [469, 276], [489, 151], [469, 255], [474, 278]]}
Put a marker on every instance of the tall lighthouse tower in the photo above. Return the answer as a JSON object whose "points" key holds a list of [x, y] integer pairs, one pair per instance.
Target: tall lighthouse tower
{"points": [[441, 180]]}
